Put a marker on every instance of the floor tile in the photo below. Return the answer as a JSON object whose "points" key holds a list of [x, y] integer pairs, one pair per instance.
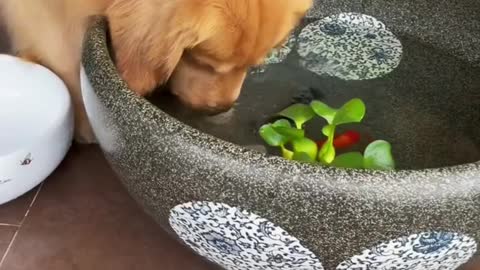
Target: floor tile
{"points": [[14, 211], [84, 219], [474, 264], [6, 236]]}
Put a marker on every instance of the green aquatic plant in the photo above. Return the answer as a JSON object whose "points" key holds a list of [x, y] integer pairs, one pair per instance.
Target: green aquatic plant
{"points": [[294, 144]]}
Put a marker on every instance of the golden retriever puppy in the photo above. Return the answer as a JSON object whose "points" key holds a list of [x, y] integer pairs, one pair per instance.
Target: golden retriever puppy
{"points": [[202, 48]]}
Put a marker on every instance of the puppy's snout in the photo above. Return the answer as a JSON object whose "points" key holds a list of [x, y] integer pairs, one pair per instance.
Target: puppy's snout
{"points": [[210, 108], [204, 91], [218, 109]]}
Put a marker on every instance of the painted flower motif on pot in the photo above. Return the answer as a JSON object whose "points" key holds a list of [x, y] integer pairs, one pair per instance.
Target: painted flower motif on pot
{"points": [[433, 242], [425, 251], [333, 29], [349, 46], [381, 55], [221, 243], [239, 240]]}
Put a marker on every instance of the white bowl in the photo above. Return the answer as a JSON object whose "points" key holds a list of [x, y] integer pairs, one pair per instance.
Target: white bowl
{"points": [[36, 125]]}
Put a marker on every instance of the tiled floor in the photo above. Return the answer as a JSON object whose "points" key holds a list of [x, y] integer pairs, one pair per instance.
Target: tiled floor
{"points": [[81, 218]]}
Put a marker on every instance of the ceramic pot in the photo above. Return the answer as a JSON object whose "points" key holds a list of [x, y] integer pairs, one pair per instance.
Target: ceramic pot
{"points": [[244, 209]]}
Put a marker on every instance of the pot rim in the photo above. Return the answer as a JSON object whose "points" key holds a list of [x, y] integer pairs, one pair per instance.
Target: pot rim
{"points": [[456, 180]]}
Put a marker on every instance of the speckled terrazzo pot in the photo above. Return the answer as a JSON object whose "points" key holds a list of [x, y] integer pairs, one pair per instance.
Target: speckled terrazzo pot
{"points": [[245, 210]]}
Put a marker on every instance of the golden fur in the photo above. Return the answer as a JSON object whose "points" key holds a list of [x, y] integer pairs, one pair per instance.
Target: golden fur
{"points": [[202, 48]]}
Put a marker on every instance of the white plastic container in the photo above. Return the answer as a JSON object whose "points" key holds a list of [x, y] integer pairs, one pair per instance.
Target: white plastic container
{"points": [[36, 125]]}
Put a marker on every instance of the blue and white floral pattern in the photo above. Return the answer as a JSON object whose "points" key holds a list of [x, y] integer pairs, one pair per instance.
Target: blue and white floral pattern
{"points": [[350, 46], [424, 251], [333, 28], [239, 240]]}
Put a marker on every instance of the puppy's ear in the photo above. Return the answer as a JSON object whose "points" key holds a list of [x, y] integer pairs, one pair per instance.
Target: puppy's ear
{"points": [[150, 36]]}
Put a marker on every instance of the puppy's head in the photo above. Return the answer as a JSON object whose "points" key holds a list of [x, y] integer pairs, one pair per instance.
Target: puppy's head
{"points": [[202, 47]]}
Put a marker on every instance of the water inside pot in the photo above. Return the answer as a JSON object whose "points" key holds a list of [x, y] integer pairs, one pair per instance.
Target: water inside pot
{"points": [[427, 107]]}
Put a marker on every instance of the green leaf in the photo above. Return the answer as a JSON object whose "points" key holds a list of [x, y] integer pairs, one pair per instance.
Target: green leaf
{"points": [[378, 156], [328, 130], [299, 113], [290, 133], [305, 145], [327, 152], [282, 123], [284, 128], [351, 112], [286, 154], [303, 157], [323, 110], [272, 137], [349, 160]]}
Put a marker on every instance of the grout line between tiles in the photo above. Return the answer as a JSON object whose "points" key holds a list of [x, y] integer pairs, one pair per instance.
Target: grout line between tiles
{"points": [[19, 226], [8, 248], [8, 225], [31, 204]]}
